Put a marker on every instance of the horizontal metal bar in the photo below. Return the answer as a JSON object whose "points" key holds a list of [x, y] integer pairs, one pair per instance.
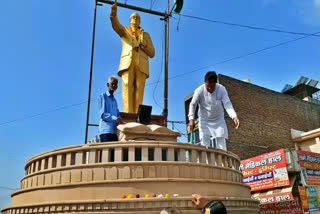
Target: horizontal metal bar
{"points": [[135, 8], [93, 125], [181, 122]]}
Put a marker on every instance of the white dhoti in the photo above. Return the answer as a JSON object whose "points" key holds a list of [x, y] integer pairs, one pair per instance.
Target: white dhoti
{"points": [[213, 130], [213, 133]]}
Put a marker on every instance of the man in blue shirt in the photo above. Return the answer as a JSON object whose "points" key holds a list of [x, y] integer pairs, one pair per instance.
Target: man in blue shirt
{"points": [[109, 112]]}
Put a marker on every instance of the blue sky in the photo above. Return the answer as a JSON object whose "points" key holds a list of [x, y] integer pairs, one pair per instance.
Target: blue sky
{"points": [[45, 49]]}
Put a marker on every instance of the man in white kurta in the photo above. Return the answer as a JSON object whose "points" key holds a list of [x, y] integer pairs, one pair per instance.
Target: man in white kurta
{"points": [[212, 98]]}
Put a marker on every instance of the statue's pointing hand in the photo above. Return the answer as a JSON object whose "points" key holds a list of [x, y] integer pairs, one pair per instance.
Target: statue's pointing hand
{"points": [[114, 9]]}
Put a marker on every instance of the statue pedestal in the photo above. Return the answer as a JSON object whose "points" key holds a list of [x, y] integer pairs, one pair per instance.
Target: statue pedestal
{"points": [[143, 173], [84, 179], [130, 117], [137, 131]]}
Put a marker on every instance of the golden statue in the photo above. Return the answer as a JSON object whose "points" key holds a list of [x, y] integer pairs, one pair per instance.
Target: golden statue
{"points": [[134, 63]]}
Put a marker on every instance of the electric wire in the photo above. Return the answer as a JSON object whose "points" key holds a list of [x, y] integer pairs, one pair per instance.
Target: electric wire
{"points": [[8, 188], [244, 55], [182, 133], [42, 113], [247, 26], [179, 75]]}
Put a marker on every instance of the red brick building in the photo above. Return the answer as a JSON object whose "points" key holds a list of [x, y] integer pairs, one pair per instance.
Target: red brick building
{"points": [[266, 118]]}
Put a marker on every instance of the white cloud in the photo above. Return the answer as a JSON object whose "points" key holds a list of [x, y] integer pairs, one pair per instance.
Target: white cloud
{"points": [[317, 3]]}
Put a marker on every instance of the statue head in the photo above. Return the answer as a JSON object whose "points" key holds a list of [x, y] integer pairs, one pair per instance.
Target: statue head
{"points": [[135, 20]]}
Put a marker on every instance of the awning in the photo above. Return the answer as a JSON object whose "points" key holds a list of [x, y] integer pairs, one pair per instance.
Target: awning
{"points": [[276, 195]]}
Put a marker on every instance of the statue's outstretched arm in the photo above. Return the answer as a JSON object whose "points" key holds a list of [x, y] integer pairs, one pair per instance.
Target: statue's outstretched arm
{"points": [[117, 27]]}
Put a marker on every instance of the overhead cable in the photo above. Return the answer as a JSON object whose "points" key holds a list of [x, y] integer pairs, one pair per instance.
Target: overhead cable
{"points": [[179, 75], [249, 27], [42, 113], [8, 188]]}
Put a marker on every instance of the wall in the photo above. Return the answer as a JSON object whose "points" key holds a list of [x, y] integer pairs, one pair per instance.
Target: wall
{"points": [[266, 118], [307, 141]]}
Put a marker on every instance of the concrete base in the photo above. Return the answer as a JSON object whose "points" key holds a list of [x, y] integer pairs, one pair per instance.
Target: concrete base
{"points": [[85, 179], [130, 117]]}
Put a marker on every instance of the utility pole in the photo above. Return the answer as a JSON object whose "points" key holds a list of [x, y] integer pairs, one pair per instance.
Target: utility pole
{"points": [[166, 57], [91, 68]]}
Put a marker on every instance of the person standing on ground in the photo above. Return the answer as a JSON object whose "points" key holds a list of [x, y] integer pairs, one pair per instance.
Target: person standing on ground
{"points": [[109, 112], [212, 98]]}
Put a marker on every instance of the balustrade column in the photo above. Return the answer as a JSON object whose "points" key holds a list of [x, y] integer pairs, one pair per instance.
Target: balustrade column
{"points": [[59, 160], [170, 154], [105, 155], [212, 159], [203, 157], [93, 157], [235, 164], [50, 162], [32, 167], [230, 162], [43, 164], [158, 154], [194, 156], [131, 151], [37, 166], [182, 155], [225, 160], [118, 154], [81, 157], [144, 154], [219, 160], [70, 159]]}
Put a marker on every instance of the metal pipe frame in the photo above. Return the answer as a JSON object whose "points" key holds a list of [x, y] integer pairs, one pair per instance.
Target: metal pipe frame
{"points": [[134, 8], [91, 69], [166, 19]]}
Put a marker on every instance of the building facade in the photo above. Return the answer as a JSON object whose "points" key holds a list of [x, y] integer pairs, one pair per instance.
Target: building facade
{"points": [[266, 117]]}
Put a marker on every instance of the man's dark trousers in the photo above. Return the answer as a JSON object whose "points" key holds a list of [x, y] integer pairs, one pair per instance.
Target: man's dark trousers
{"points": [[108, 137]]}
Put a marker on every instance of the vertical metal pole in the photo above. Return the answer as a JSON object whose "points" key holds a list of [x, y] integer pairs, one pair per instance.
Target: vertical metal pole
{"points": [[91, 68], [166, 52]]}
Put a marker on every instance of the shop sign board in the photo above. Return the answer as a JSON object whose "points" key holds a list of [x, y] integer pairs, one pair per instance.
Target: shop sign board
{"points": [[303, 197], [265, 171], [313, 203], [276, 198], [282, 207], [310, 167]]}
